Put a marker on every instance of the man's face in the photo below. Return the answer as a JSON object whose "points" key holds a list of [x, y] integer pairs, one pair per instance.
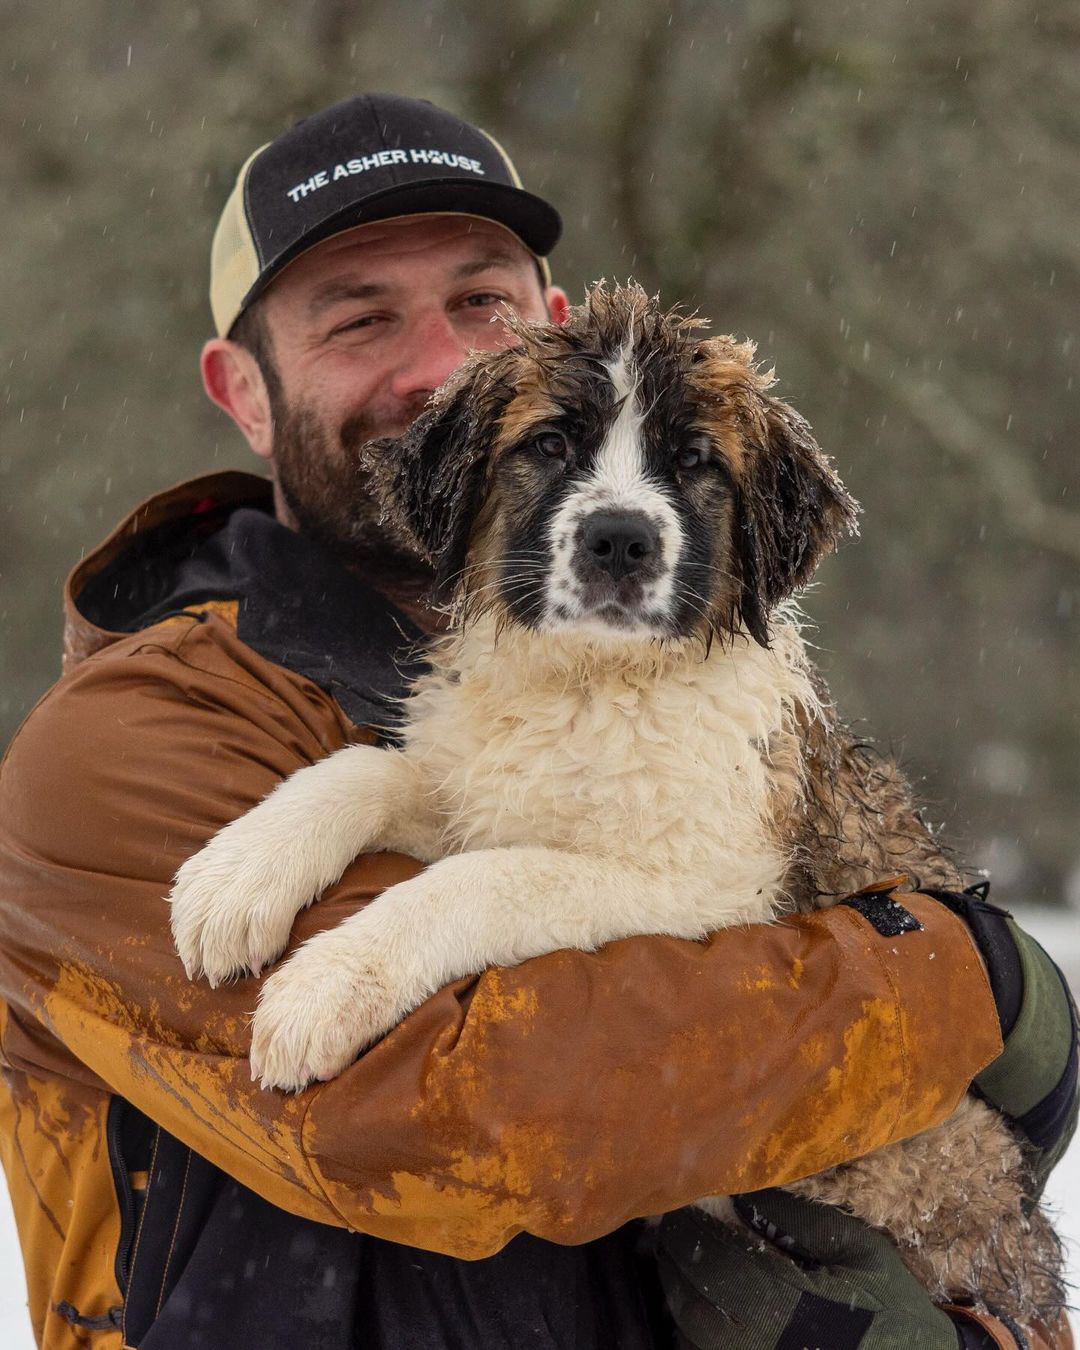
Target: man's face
{"points": [[363, 329]]}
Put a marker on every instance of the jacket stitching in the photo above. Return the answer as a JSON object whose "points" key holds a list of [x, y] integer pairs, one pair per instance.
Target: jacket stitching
{"points": [[175, 1231], [162, 649], [310, 1162], [138, 1235], [268, 695]]}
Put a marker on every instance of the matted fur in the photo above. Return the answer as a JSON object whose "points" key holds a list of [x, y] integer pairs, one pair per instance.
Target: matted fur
{"points": [[603, 750]]}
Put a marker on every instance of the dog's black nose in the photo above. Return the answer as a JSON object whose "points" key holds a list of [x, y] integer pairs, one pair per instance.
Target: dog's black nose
{"points": [[620, 544]]}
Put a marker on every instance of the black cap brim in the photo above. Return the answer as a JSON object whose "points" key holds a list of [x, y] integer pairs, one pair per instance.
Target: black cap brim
{"points": [[536, 223]]}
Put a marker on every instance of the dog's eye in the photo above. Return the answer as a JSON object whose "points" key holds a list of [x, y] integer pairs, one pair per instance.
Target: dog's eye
{"points": [[691, 456], [552, 445]]}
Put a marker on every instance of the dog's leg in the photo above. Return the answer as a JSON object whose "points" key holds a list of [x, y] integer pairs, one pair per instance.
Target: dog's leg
{"points": [[234, 902], [348, 986]]}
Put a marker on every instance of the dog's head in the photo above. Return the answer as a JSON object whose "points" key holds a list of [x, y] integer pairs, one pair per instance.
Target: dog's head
{"points": [[621, 473]]}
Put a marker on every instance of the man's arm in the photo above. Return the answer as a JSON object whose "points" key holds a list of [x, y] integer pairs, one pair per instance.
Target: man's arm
{"points": [[561, 1097]]}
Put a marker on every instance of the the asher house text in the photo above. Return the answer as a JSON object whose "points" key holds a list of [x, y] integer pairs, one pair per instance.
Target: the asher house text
{"points": [[383, 159]]}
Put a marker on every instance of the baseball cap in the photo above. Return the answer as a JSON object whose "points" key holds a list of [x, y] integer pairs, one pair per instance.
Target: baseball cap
{"points": [[368, 158]]}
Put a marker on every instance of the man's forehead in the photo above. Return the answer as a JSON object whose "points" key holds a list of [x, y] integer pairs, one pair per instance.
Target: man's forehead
{"points": [[407, 240]]}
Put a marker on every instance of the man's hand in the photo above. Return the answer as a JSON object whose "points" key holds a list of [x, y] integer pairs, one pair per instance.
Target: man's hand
{"points": [[801, 1274]]}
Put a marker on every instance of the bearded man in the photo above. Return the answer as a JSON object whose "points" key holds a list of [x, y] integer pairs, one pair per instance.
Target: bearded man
{"points": [[477, 1179]]}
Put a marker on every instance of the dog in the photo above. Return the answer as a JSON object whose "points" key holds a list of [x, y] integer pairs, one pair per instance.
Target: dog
{"points": [[622, 733]]}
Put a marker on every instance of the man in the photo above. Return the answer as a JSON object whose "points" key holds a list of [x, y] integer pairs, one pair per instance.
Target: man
{"points": [[474, 1180]]}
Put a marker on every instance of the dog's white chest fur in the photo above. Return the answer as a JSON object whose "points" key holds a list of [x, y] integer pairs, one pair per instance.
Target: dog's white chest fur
{"points": [[662, 757], [567, 794]]}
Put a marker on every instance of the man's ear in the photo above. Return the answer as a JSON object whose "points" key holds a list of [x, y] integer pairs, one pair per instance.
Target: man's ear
{"points": [[233, 380], [430, 481], [792, 511], [558, 306]]}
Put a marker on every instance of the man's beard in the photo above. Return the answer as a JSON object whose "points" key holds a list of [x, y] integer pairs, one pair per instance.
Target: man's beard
{"points": [[328, 492]]}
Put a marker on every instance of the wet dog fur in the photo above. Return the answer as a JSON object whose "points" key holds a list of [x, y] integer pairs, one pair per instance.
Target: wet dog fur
{"points": [[617, 512]]}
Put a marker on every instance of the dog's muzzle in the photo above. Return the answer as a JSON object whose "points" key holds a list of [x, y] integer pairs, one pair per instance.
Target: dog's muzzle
{"points": [[617, 558]]}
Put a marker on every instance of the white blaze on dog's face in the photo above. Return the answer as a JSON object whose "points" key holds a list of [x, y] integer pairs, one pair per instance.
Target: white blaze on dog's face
{"points": [[616, 539], [618, 475]]}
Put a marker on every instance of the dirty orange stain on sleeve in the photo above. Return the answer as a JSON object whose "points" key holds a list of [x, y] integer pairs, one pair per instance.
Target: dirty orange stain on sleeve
{"points": [[206, 1100]]}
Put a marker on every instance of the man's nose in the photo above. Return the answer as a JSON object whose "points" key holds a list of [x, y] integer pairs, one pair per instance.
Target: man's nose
{"points": [[433, 348]]}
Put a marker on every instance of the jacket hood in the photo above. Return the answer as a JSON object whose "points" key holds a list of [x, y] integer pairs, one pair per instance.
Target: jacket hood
{"points": [[213, 544], [109, 592]]}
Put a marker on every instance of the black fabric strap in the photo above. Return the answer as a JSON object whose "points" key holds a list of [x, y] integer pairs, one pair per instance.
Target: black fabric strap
{"points": [[821, 1321], [991, 933], [885, 913], [972, 1336]]}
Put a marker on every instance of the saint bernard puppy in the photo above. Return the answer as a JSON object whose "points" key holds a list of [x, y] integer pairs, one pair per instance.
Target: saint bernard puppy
{"points": [[621, 734]]}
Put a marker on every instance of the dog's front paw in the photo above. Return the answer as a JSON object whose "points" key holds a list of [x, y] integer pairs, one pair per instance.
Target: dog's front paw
{"points": [[331, 1000], [233, 905]]}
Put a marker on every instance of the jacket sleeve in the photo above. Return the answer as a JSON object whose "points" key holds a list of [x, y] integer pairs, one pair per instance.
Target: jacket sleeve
{"points": [[561, 1097]]}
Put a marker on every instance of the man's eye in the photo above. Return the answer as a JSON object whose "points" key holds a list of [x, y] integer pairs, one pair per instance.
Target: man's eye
{"points": [[362, 321], [482, 300]]}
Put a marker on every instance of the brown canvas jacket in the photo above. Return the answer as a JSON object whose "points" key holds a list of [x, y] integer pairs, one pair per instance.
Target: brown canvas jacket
{"points": [[559, 1098]]}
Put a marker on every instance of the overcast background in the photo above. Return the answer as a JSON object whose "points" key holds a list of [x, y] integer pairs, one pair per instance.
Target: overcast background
{"points": [[885, 195]]}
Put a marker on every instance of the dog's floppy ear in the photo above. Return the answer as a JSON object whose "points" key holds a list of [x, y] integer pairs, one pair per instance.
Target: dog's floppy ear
{"points": [[430, 480], [793, 510]]}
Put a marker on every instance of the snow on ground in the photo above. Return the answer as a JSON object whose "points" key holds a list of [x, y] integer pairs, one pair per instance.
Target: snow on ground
{"points": [[1059, 932], [14, 1323]]}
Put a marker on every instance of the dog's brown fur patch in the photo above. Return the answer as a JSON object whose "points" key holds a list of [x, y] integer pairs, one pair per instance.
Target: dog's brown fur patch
{"points": [[526, 412], [730, 388]]}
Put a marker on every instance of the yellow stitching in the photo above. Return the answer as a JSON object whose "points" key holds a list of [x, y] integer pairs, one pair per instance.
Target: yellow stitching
{"points": [[138, 1239], [316, 1092], [176, 1229]]}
